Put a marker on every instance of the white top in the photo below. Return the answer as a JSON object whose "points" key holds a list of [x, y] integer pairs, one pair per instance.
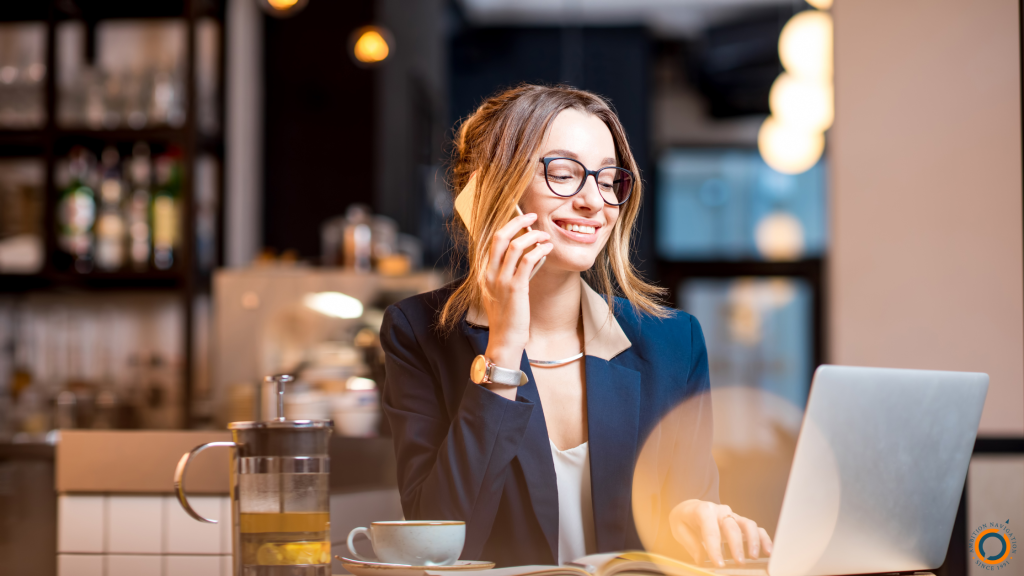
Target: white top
{"points": [[575, 507]]}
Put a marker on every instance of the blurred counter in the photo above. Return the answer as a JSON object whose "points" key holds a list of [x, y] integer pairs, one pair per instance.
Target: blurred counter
{"points": [[99, 495]]}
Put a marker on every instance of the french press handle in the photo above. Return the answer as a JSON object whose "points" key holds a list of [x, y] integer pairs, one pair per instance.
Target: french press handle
{"points": [[179, 477]]}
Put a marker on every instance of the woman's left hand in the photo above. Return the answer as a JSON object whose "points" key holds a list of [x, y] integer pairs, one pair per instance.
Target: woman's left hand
{"points": [[700, 527]]}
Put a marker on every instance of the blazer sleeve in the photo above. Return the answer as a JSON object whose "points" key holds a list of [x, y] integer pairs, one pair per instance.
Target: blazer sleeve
{"points": [[676, 463], [450, 466]]}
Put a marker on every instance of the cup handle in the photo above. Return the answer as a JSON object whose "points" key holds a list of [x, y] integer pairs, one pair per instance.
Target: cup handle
{"points": [[352, 545], [179, 477]]}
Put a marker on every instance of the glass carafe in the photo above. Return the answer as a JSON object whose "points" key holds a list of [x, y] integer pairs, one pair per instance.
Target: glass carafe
{"points": [[280, 496]]}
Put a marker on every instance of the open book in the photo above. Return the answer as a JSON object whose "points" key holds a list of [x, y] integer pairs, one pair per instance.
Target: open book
{"points": [[597, 565]]}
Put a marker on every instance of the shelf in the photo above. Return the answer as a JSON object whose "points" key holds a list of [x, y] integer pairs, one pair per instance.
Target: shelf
{"points": [[95, 281], [22, 143], [105, 9], [122, 134]]}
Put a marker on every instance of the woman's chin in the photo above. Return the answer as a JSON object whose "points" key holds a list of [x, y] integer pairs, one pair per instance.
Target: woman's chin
{"points": [[570, 262]]}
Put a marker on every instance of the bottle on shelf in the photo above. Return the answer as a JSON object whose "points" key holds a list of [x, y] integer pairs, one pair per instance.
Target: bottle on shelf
{"points": [[165, 211], [138, 207], [110, 224], [77, 209]]}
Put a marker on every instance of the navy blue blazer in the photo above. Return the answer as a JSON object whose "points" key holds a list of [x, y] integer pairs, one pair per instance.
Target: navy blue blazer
{"points": [[466, 453]]}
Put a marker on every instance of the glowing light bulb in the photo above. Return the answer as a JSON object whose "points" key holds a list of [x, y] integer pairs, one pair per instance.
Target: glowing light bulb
{"points": [[789, 149], [282, 8], [779, 236], [371, 45], [805, 45], [820, 4], [804, 103]]}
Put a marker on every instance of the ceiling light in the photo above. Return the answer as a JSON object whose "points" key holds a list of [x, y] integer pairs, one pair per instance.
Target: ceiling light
{"points": [[779, 236], [789, 149], [371, 45], [805, 45], [801, 102], [282, 8]]}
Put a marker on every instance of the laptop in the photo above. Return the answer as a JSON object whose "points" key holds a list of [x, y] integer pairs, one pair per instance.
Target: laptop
{"points": [[877, 475]]}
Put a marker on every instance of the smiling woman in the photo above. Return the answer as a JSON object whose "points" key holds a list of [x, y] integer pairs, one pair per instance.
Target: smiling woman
{"points": [[539, 463]]}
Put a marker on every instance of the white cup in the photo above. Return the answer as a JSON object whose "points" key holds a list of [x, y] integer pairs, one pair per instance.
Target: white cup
{"points": [[413, 542]]}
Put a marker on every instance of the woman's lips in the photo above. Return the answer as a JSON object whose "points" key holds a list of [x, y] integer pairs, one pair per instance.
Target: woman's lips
{"points": [[580, 237]]}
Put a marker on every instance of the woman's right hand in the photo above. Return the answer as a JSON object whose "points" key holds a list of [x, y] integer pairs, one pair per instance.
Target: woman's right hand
{"points": [[506, 293]]}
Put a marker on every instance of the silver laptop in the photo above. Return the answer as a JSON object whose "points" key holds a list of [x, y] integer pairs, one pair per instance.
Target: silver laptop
{"points": [[878, 472]]}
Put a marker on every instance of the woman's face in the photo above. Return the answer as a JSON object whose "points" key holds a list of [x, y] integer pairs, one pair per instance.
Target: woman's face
{"points": [[585, 138]]}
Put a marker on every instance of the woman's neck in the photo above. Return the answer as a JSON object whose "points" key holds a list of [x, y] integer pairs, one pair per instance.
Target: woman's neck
{"points": [[554, 304]]}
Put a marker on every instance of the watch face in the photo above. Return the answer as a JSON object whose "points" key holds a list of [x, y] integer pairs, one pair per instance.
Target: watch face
{"points": [[478, 370]]}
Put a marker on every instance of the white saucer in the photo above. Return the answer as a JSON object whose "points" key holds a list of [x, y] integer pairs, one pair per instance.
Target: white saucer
{"points": [[362, 568]]}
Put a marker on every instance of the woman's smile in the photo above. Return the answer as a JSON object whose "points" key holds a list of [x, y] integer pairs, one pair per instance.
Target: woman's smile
{"points": [[579, 229]]}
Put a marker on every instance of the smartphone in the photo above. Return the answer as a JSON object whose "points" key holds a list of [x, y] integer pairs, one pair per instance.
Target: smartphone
{"points": [[464, 206]]}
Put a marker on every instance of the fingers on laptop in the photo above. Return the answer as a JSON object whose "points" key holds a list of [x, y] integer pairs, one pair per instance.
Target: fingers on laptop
{"points": [[708, 515]]}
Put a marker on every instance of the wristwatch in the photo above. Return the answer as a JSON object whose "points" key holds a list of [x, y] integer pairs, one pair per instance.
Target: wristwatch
{"points": [[483, 371]]}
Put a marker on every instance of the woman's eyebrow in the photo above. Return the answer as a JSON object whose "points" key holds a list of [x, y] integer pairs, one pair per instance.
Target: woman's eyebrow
{"points": [[565, 153], [574, 156]]}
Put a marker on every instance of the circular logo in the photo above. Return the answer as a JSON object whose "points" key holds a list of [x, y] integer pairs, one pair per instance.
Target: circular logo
{"points": [[990, 547]]}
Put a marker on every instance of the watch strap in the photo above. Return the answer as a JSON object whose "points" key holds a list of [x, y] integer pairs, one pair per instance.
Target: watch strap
{"points": [[505, 376]]}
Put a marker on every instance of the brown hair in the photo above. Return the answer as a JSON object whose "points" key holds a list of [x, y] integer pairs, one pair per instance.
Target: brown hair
{"points": [[498, 142]]}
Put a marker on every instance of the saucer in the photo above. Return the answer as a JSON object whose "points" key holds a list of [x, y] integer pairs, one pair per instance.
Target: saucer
{"points": [[362, 568]]}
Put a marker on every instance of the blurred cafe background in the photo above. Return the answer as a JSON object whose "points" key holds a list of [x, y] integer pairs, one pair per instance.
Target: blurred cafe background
{"points": [[198, 193]]}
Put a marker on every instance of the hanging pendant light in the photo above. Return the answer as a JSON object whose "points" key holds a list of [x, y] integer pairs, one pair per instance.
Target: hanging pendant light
{"points": [[282, 8]]}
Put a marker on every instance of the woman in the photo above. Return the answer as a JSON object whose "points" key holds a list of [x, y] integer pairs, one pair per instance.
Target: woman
{"points": [[521, 406]]}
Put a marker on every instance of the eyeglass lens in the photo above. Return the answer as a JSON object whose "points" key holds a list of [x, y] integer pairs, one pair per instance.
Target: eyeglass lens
{"points": [[566, 177]]}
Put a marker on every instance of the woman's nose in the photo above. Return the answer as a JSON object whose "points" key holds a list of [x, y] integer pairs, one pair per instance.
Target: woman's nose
{"points": [[590, 197]]}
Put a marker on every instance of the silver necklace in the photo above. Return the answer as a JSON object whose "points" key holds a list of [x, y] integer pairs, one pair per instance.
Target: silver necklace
{"points": [[555, 363]]}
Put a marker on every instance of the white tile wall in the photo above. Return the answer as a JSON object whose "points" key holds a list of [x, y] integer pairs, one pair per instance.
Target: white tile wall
{"points": [[186, 535], [134, 524], [80, 521], [226, 541], [131, 565], [192, 566], [126, 535], [80, 565]]}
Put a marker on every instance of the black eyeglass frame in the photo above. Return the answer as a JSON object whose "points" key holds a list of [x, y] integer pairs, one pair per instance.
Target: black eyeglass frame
{"points": [[587, 173]]}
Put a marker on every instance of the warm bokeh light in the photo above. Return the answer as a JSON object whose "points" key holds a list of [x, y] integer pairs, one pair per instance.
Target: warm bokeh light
{"points": [[820, 4], [334, 304], [780, 236], [805, 45], [282, 8], [371, 47], [803, 103], [789, 149]]}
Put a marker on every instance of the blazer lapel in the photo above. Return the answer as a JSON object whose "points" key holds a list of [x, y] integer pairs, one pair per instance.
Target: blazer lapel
{"points": [[535, 451], [613, 424]]}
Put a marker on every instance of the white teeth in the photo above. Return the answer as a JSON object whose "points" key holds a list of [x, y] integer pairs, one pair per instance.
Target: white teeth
{"points": [[579, 229]]}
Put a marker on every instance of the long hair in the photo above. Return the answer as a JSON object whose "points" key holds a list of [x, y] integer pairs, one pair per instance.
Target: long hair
{"points": [[498, 143]]}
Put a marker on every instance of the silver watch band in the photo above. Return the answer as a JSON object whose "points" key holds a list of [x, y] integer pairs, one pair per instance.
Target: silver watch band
{"points": [[505, 376]]}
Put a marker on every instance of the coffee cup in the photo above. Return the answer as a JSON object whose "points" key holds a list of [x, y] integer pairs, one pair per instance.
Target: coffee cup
{"points": [[413, 542]]}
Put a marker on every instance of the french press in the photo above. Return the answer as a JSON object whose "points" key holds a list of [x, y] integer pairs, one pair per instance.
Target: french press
{"points": [[280, 513]]}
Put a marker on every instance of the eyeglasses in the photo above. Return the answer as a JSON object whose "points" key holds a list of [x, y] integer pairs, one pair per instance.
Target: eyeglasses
{"points": [[566, 177]]}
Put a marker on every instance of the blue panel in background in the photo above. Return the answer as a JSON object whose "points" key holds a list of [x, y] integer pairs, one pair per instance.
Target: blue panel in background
{"points": [[758, 332], [710, 202]]}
